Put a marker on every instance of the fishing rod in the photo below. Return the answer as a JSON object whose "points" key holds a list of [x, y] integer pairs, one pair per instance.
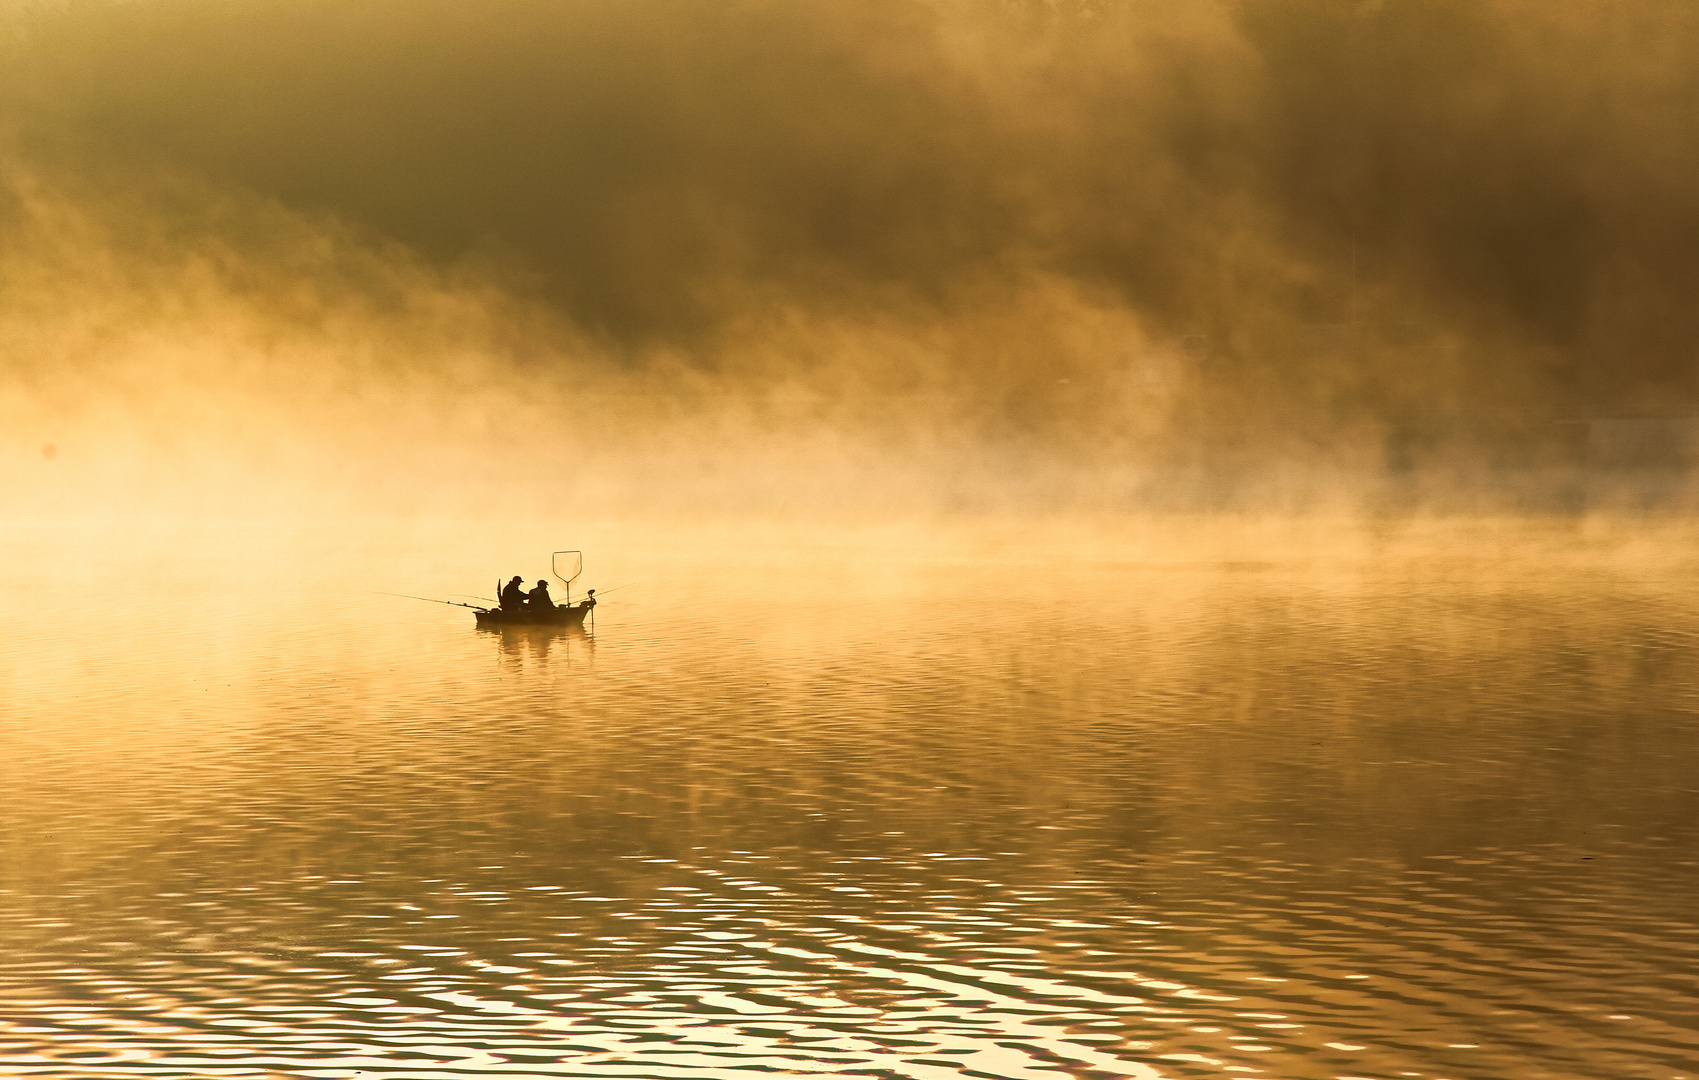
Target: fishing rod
{"points": [[603, 592], [429, 600]]}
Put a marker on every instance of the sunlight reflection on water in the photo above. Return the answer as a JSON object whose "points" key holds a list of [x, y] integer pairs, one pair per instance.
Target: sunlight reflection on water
{"points": [[828, 804]]}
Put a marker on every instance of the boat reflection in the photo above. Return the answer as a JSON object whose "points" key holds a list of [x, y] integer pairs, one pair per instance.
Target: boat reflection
{"points": [[539, 643]]}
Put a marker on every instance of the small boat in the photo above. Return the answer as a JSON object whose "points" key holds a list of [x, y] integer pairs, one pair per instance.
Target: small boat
{"points": [[562, 614], [559, 615], [565, 613]]}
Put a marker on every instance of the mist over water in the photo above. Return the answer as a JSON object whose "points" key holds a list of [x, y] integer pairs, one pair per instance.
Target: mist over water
{"points": [[1392, 255], [1138, 539]]}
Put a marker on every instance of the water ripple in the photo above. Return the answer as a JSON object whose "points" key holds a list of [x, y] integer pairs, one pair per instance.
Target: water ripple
{"points": [[1171, 822]]}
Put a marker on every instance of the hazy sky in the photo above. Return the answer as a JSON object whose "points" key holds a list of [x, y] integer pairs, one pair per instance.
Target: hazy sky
{"points": [[1400, 230]]}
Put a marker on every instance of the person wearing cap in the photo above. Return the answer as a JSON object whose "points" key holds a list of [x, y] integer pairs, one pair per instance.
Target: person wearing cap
{"points": [[590, 599], [538, 598], [513, 594]]}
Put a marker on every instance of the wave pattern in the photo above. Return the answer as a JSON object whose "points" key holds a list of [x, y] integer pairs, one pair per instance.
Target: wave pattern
{"points": [[1170, 822]]}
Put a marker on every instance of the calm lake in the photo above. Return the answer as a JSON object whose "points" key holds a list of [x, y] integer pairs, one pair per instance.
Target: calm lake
{"points": [[1010, 800]]}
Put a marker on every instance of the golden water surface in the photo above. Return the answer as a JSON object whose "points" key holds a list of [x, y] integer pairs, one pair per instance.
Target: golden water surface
{"points": [[1121, 799]]}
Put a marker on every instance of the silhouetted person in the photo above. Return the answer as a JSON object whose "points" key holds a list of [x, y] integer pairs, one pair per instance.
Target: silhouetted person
{"points": [[590, 599], [538, 598], [513, 595]]}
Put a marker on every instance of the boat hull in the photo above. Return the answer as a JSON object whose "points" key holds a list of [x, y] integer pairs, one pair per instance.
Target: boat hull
{"points": [[561, 615]]}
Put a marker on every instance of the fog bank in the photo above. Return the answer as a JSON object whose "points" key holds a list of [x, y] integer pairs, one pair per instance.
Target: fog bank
{"points": [[906, 252]]}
